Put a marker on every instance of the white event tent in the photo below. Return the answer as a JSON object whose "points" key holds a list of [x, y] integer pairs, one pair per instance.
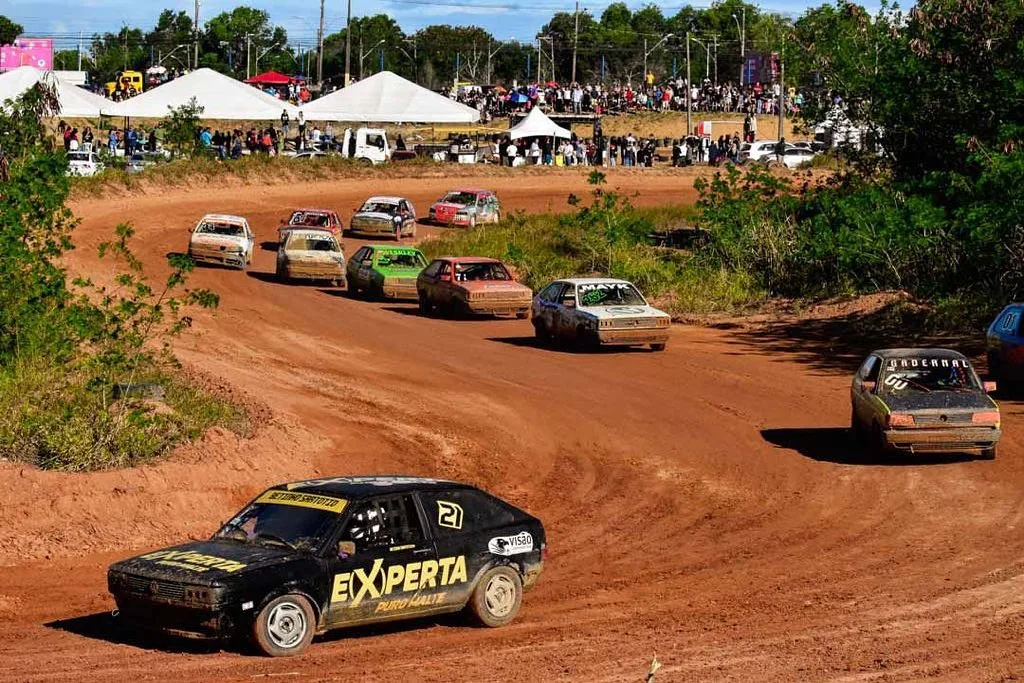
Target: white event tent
{"points": [[74, 101], [220, 96], [388, 98], [538, 124]]}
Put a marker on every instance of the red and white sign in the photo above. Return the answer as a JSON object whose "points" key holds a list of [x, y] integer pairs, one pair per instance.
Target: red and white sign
{"points": [[37, 52]]}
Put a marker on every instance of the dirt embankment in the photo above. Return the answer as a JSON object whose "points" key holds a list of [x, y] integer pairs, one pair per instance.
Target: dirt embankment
{"points": [[701, 503]]}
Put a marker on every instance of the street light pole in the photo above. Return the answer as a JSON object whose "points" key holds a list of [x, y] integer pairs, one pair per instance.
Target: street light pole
{"points": [[489, 56], [348, 45], [689, 90], [742, 29], [195, 30], [648, 52], [320, 50], [575, 41]]}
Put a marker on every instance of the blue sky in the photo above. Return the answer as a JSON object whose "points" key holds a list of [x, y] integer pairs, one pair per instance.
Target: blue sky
{"points": [[518, 19]]}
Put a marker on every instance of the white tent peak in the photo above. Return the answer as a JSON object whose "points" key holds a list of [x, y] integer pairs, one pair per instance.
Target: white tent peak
{"points": [[220, 96], [386, 97], [538, 124], [74, 101]]}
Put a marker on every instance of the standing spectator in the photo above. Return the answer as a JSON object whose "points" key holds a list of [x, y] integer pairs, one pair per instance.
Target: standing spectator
{"points": [[112, 141], [302, 130], [285, 119], [511, 152]]}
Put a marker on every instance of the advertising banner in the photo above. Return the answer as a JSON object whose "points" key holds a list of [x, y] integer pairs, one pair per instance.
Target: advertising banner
{"points": [[37, 52]]}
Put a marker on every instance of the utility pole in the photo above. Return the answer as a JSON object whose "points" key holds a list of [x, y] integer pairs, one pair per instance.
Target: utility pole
{"points": [[742, 28], [782, 98], [320, 49], [348, 46], [575, 41], [489, 56], [539, 56], [195, 31], [79, 50], [643, 76], [248, 60], [125, 51], [715, 37], [689, 90], [552, 38]]}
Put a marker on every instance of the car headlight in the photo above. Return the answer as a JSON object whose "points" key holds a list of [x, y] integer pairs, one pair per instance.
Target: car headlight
{"points": [[203, 596], [234, 250], [463, 213], [590, 324]]}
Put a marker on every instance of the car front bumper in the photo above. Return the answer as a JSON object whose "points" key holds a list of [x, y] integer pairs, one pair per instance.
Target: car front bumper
{"points": [[185, 621], [399, 290], [484, 307], [968, 439], [627, 337], [217, 256]]}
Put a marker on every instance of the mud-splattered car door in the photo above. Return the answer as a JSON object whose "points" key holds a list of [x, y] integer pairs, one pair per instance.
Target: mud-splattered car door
{"points": [[385, 564]]}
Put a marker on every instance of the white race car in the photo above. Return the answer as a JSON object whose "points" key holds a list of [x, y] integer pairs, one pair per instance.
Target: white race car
{"points": [[223, 240], [598, 312], [310, 254]]}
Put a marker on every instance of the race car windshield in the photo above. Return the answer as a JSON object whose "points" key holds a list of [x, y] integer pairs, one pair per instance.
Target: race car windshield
{"points": [[225, 229], [401, 260], [306, 218], [610, 294], [905, 375], [312, 243], [379, 207], [464, 198], [469, 272], [284, 525]]}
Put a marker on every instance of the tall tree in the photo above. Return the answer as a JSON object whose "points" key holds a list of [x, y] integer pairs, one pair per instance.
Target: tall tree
{"points": [[9, 30], [233, 42]]}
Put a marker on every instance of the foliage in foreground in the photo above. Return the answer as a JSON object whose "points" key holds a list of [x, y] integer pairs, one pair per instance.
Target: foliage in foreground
{"points": [[72, 354]]}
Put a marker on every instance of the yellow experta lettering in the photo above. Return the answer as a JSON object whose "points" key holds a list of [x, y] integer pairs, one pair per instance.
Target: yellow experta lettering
{"points": [[355, 586]]}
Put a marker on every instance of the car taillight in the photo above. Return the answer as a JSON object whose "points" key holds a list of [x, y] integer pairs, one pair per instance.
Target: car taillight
{"points": [[900, 420], [988, 417], [544, 552]]}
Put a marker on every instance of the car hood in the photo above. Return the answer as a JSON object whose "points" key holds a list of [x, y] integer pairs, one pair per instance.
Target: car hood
{"points": [[373, 216], [613, 312], [218, 240], [204, 562], [399, 271], [937, 400], [449, 206]]}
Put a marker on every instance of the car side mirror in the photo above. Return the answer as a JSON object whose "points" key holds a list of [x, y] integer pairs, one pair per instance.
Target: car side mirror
{"points": [[868, 386], [444, 278], [569, 303], [346, 548], [367, 262], [990, 387]]}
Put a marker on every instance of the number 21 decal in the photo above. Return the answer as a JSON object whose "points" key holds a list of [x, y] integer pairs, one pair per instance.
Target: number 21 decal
{"points": [[449, 514]]}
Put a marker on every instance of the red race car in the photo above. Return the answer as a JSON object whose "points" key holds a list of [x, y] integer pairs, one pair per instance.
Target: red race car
{"points": [[324, 219], [466, 208]]}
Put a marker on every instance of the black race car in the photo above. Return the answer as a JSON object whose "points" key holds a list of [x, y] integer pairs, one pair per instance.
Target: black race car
{"points": [[306, 557]]}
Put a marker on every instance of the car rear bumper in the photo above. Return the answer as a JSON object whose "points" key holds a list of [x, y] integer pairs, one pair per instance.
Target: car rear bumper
{"points": [[310, 271], [222, 258], [970, 439], [626, 337], [400, 291], [498, 307]]}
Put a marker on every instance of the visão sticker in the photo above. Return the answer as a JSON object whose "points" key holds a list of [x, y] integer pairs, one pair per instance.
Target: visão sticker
{"points": [[511, 545]]}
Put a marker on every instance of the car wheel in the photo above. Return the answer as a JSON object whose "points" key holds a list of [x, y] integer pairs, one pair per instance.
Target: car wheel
{"points": [[541, 332], [472, 221], [497, 216], [497, 597], [426, 308], [878, 445], [658, 347], [855, 429], [988, 453], [523, 315], [285, 626]]}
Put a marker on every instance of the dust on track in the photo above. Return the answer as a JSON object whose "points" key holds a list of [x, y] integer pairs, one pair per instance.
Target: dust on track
{"points": [[697, 502]]}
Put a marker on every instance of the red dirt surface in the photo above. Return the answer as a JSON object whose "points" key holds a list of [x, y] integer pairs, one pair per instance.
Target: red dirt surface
{"points": [[700, 503]]}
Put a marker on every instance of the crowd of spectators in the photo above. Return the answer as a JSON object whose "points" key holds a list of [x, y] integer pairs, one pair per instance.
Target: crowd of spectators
{"points": [[599, 99]]}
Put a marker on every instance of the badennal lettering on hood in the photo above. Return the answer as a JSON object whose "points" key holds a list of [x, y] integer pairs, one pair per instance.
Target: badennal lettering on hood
{"points": [[192, 561], [306, 500], [378, 581], [927, 363]]}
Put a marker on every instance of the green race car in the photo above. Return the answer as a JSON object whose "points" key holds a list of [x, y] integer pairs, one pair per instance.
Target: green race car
{"points": [[385, 271]]}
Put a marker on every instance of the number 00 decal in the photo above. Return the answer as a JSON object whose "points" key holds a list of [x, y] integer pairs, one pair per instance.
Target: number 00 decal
{"points": [[449, 514]]}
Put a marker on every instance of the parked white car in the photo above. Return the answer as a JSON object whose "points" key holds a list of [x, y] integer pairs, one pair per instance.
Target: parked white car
{"points": [[757, 151], [795, 157], [84, 163], [222, 240], [598, 312]]}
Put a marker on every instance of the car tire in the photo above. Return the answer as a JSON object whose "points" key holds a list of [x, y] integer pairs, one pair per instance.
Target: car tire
{"points": [[523, 315], [856, 431], [497, 216], [472, 222], [658, 347], [426, 308], [988, 453], [497, 597], [879, 447], [285, 626]]}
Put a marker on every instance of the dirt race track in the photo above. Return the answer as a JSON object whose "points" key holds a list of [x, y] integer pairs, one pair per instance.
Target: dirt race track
{"points": [[701, 504]]}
